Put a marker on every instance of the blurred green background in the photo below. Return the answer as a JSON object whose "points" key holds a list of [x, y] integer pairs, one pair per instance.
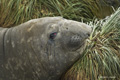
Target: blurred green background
{"points": [[14, 12]]}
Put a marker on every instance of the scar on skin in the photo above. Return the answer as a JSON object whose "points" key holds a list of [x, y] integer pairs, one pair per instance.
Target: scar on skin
{"points": [[32, 25]]}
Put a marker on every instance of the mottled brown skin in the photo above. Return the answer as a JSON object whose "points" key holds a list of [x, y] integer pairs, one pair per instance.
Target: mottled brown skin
{"points": [[28, 53]]}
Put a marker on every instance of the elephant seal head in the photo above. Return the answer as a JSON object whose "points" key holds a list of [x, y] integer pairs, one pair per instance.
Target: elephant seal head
{"points": [[58, 42], [45, 48]]}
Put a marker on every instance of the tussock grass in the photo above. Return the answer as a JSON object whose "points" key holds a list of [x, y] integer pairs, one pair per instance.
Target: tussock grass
{"points": [[101, 58], [14, 12]]}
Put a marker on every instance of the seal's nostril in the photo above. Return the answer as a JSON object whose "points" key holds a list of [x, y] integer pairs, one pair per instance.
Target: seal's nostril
{"points": [[88, 34]]}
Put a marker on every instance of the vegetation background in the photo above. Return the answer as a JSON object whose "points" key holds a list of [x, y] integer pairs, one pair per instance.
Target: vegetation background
{"points": [[101, 58], [14, 12]]}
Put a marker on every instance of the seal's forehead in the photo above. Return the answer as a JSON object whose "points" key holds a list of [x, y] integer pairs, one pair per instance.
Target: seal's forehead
{"points": [[55, 22], [74, 24], [48, 20]]}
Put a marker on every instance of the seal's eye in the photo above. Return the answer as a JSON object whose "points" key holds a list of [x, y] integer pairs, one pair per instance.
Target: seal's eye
{"points": [[53, 35]]}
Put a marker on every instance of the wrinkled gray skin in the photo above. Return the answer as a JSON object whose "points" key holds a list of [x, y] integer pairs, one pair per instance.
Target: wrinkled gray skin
{"points": [[28, 53]]}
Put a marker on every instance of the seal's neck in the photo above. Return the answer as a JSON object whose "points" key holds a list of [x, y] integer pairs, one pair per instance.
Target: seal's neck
{"points": [[2, 49]]}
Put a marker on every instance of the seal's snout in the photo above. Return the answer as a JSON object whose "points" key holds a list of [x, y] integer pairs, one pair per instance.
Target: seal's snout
{"points": [[87, 34], [74, 34], [84, 30], [87, 29]]}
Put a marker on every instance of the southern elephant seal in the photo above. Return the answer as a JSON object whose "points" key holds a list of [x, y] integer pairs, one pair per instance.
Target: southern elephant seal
{"points": [[41, 49]]}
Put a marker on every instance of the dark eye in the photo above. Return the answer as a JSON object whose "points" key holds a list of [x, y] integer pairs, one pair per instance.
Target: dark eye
{"points": [[53, 35]]}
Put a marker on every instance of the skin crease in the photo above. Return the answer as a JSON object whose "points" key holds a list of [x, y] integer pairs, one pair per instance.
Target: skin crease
{"points": [[29, 53]]}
